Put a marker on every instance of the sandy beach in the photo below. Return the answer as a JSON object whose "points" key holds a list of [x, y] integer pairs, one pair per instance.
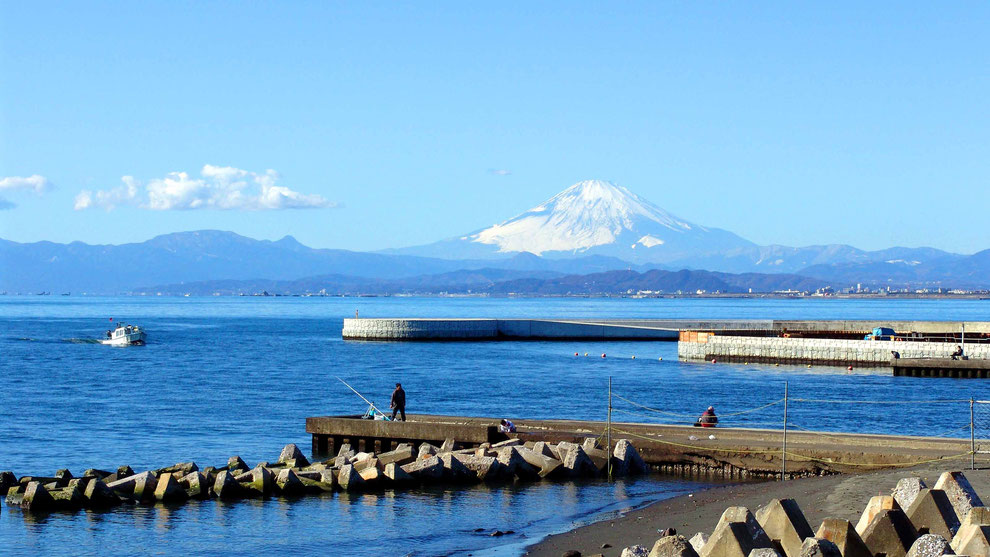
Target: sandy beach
{"points": [[842, 496]]}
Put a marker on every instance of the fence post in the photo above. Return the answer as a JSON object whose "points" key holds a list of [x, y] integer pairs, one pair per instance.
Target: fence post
{"points": [[608, 430], [972, 437], [783, 448]]}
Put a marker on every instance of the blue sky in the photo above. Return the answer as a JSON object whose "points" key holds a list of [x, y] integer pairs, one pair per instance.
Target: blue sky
{"points": [[397, 124]]}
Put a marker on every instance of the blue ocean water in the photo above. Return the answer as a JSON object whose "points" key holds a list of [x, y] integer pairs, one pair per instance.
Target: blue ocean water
{"points": [[225, 376]]}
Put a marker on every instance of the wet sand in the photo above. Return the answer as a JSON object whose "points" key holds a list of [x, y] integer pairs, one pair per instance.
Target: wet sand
{"points": [[842, 496]]}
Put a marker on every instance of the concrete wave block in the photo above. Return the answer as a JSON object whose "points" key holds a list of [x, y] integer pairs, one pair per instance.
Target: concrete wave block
{"points": [[371, 475], [876, 504], [729, 539], [844, 536], [483, 467], [545, 465], [600, 459], [455, 471], [197, 485], [288, 483], [447, 445], [977, 516], [635, 551], [512, 463], [627, 459], [974, 540], [258, 482], [7, 481], [236, 465], [329, 477], [785, 524], [395, 474], [960, 492], [545, 449], [292, 452], [168, 489], [891, 533], [698, 541], [94, 473], [98, 495], [930, 545], [906, 490], [121, 473], [348, 479], [345, 450], [819, 547], [765, 552], [400, 456], [577, 463], [226, 487], [673, 546], [36, 498], [426, 469], [427, 450], [365, 463], [178, 470], [140, 487], [743, 515], [590, 443], [64, 474], [932, 513], [508, 443]]}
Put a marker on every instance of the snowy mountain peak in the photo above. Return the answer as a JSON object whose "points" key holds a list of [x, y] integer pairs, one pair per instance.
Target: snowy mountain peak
{"points": [[588, 214]]}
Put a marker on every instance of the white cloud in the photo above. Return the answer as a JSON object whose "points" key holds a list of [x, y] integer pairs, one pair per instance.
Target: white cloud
{"points": [[39, 184], [219, 187], [500, 172]]}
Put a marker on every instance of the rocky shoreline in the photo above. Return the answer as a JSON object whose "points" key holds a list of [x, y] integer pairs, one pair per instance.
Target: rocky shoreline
{"points": [[831, 502]]}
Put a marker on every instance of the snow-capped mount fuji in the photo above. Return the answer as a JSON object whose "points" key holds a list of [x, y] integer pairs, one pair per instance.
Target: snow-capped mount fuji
{"points": [[592, 217]]}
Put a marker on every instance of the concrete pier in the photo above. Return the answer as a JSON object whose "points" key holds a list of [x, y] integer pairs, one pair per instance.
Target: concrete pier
{"points": [[734, 453], [941, 367]]}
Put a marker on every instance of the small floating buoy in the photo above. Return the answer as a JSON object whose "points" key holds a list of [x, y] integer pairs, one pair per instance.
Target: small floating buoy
{"points": [[603, 354], [777, 365], [809, 365], [745, 363], [850, 368], [634, 357], [659, 359], [575, 353], [585, 353], [714, 361]]}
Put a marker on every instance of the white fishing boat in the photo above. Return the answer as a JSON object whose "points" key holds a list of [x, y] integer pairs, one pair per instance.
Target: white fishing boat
{"points": [[125, 335]]}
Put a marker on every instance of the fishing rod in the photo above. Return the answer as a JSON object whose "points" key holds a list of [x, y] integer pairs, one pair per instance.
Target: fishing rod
{"points": [[372, 404]]}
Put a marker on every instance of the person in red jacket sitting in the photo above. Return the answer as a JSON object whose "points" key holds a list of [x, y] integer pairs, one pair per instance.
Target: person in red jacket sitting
{"points": [[707, 419]]}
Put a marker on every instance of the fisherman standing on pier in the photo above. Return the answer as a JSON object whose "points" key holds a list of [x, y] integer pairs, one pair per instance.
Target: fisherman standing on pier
{"points": [[398, 403]]}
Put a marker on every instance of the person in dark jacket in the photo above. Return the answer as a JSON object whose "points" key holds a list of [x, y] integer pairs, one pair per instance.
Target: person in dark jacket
{"points": [[708, 418], [398, 404]]}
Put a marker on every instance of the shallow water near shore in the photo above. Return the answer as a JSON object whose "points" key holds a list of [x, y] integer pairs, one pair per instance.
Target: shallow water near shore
{"points": [[225, 376]]}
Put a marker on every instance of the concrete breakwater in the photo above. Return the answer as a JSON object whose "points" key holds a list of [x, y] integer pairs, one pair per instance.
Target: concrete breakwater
{"points": [[913, 520], [294, 476], [636, 329], [732, 453], [826, 351], [494, 329]]}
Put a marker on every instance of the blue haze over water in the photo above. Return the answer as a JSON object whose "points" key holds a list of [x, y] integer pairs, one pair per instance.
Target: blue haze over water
{"points": [[225, 376]]}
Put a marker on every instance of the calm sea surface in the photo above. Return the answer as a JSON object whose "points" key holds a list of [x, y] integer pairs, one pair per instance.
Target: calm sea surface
{"points": [[225, 376]]}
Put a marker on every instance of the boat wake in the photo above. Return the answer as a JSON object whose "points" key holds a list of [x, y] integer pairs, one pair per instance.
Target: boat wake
{"points": [[82, 340]]}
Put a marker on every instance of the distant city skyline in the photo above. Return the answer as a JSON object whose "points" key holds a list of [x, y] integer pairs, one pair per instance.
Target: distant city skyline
{"points": [[367, 127]]}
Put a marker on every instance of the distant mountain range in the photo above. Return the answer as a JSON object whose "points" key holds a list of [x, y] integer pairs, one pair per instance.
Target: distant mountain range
{"points": [[502, 282], [592, 228]]}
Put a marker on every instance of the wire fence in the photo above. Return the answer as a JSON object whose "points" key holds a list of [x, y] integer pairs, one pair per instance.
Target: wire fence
{"points": [[958, 419]]}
